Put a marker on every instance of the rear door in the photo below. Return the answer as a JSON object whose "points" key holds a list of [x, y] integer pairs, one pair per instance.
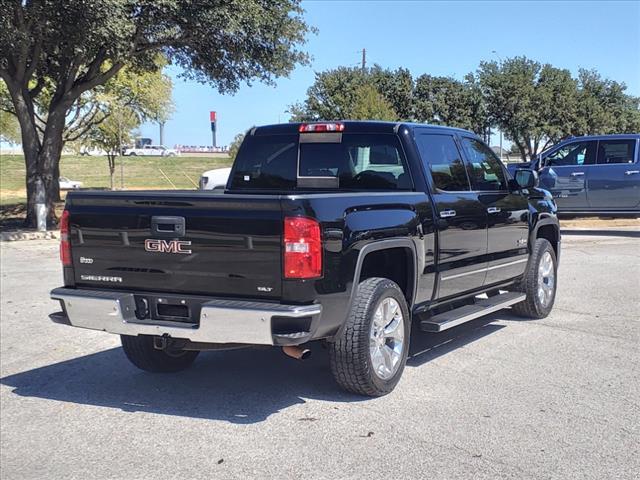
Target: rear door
{"points": [[614, 182], [565, 173], [507, 213], [178, 242], [461, 217]]}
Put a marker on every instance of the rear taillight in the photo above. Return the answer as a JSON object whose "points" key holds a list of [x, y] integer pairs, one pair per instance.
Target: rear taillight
{"points": [[65, 242], [321, 127], [302, 248]]}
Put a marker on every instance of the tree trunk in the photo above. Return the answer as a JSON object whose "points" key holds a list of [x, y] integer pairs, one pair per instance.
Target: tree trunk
{"points": [[47, 159], [56, 181], [112, 167], [31, 146]]}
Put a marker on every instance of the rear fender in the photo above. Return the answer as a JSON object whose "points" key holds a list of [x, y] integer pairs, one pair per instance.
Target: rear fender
{"points": [[386, 244]]}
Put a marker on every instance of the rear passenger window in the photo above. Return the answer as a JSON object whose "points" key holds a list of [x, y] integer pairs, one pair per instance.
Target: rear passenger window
{"points": [[445, 162], [616, 151]]}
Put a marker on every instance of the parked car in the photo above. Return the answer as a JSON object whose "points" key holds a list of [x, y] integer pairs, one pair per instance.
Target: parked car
{"points": [[152, 150], [92, 152], [594, 175], [66, 184], [215, 179], [343, 232]]}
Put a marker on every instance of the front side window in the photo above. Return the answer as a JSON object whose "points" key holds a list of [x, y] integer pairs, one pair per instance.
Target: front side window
{"points": [[444, 161], [485, 170], [616, 151], [573, 154]]}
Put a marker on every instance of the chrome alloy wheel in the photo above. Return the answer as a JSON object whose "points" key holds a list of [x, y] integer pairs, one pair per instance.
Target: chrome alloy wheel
{"points": [[546, 279], [386, 338]]}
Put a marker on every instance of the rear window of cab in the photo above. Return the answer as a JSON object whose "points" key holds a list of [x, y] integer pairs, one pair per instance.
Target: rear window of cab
{"points": [[352, 161]]}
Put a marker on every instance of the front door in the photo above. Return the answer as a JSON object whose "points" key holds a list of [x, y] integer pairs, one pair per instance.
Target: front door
{"points": [[564, 174], [461, 218], [614, 182], [507, 213]]}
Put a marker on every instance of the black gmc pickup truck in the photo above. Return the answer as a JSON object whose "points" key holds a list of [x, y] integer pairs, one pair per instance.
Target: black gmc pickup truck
{"points": [[344, 232]]}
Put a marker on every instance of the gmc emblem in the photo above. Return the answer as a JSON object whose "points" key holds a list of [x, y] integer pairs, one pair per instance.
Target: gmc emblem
{"points": [[163, 246]]}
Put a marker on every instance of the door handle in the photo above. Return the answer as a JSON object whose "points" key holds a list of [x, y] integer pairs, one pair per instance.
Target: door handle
{"points": [[632, 172], [447, 213], [577, 174], [168, 226], [493, 210]]}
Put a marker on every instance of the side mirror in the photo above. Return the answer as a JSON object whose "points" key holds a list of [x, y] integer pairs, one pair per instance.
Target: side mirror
{"points": [[526, 178]]}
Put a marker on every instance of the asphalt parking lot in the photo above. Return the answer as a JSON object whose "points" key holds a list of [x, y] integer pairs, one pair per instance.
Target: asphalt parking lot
{"points": [[498, 398]]}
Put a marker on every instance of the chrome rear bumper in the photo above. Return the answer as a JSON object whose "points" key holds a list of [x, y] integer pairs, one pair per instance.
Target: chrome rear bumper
{"points": [[221, 321]]}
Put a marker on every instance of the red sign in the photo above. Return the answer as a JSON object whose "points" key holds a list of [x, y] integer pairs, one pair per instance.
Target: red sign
{"points": [[212, 116]]}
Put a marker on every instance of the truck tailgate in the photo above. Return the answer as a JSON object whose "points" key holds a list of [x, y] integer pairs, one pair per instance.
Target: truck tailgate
{"points": [[229, 245]]}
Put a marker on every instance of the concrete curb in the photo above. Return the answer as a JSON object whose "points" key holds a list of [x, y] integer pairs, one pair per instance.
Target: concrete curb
{"points": [[19, 235]]}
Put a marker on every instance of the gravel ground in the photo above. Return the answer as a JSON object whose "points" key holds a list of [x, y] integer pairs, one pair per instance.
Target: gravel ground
{"points": [[497, 398]]}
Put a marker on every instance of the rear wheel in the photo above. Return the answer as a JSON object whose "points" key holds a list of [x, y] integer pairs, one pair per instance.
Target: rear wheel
{"points": [[369, 356], [539, 282], [141, 352]]}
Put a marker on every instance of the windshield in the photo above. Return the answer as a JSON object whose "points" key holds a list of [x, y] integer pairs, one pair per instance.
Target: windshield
{"points": [[345, 161]]}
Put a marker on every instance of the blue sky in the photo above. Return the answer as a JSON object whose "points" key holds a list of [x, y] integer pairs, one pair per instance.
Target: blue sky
{"points": [[439, 38]]}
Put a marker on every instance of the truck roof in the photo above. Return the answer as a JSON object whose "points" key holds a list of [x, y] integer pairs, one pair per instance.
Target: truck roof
{"points": [[368, 126], [617, 136]]}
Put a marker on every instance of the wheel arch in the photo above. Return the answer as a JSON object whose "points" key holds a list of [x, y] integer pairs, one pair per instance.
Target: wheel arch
{"points": [[381, 246], [549, 229]]}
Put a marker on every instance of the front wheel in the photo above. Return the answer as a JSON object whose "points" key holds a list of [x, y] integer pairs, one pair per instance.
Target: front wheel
{"points": [[368, 358], [141, 352], [539, 282]]}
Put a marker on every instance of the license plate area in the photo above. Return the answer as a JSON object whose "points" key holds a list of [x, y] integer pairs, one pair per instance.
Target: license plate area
{"points": [[168, 309]]}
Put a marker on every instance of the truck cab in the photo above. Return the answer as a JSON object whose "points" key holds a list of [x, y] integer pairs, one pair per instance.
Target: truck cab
{"points": [[593, 175]]}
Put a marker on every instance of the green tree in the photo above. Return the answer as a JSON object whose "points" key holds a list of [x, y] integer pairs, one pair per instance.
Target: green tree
{"points": [[447, 101], [369, 104], [124, 103], [114, 132], [533, 104], [397, 89], [331, 97], [603, 106], [336, 92], [62, 50], [9, 128], [235, 145]]}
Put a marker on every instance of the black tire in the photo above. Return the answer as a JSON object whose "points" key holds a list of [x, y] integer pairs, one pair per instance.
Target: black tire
{"points": [[532, 306], [140, 351], [349, 354], [133, 154]]}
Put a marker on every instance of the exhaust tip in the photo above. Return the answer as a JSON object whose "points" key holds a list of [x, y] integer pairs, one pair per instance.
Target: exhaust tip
{"points": [[306, 353], [296, 352]]}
